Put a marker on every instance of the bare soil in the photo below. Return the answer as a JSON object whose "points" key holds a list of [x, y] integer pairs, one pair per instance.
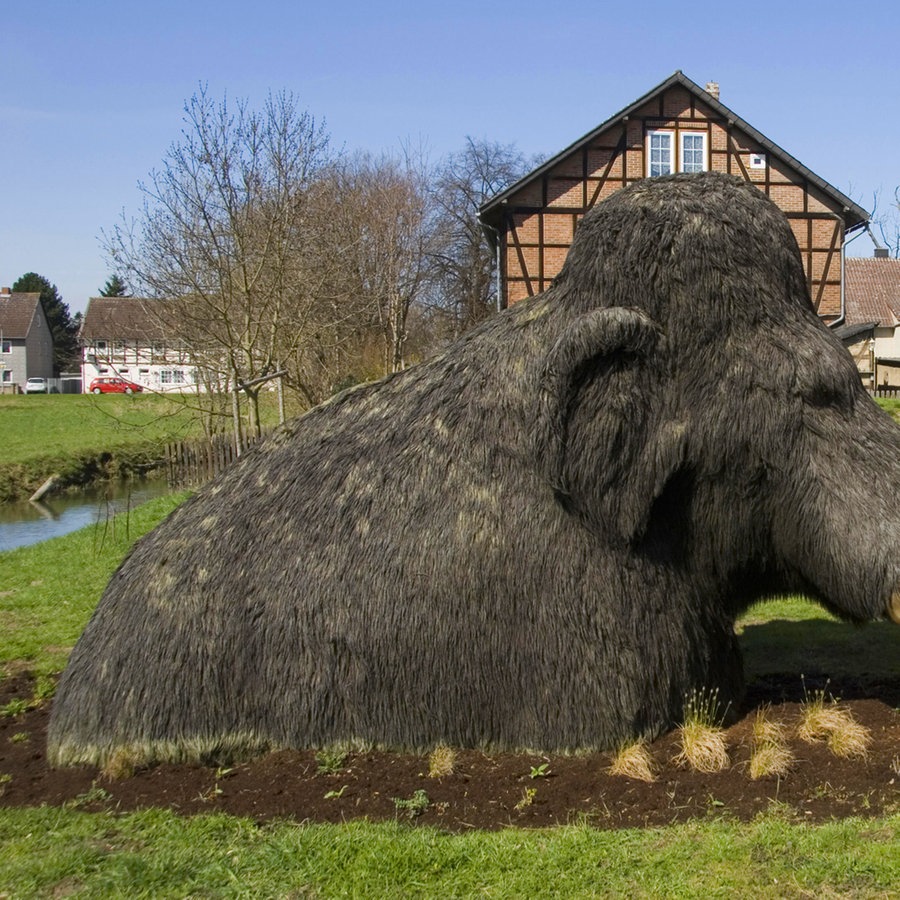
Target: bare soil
{"points": [[490, 791]]}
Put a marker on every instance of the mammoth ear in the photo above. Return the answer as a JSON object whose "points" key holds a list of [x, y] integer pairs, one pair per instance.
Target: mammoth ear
{"points": [[596, 440]]}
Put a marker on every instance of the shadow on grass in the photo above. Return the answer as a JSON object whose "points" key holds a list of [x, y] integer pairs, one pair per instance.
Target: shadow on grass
{"points": [[787, 660]]}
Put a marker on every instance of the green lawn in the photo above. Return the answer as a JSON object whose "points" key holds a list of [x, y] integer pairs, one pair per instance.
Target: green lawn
{"points": [[63, 852], [50, 852], [36, 426]]}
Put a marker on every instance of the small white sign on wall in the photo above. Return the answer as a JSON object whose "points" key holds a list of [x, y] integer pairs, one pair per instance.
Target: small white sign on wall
{"points": [[757, 160]]}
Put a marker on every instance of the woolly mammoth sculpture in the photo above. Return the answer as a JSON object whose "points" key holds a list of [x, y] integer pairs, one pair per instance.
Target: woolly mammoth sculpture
{"points": [[539, 539]]}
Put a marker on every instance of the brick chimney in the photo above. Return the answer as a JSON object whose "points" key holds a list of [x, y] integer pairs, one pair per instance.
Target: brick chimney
{"points": [[712, 88]]}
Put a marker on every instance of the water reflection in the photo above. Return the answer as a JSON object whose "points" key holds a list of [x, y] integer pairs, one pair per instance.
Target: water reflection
{"points": [[22, 524]]}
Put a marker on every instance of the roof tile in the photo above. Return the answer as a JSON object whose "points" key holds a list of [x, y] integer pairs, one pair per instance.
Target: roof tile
{"points": [[17, 313], [872, 291]]}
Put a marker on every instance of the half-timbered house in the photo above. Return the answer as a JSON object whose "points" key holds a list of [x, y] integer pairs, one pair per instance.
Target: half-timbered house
{"points": [[676, 127]]}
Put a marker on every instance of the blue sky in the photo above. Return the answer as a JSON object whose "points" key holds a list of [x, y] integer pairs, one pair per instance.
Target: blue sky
{"points": [[91, 93]]}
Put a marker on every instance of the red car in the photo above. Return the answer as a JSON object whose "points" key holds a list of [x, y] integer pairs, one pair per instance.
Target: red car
{"points": [[113, 385]]}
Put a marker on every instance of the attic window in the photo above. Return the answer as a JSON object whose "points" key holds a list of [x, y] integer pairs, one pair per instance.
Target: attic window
{"points": [[5, 346], [661, 152], [693, 151]]}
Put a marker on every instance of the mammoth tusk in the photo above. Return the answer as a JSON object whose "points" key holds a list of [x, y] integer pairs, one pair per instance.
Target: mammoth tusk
{"points": [[893, 607]]}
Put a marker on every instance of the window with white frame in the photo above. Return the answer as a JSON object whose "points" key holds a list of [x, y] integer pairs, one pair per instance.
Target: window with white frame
{"points": [[693, 151], [6, 376], [5, 346], [661, 152]]}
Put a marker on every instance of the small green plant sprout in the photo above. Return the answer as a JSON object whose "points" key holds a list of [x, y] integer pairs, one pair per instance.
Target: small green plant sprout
{"points": [[94, 795], [541, 771], [828, 721], [528, 796], [634, 761], [15, 707], [770, 754], [44, 689], [703, 745], [5, 779], [330, 760], [336, 795], [441, 761], [216, 791], [415, 805], [20, 737]]}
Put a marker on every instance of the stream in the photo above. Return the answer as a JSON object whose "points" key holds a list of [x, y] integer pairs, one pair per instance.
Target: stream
{"points": [[22, 524]]}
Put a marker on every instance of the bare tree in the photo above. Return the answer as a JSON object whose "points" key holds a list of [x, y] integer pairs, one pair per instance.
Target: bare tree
{"points": [[395, 239], [463, 262], [887, 222], [225, 227]]}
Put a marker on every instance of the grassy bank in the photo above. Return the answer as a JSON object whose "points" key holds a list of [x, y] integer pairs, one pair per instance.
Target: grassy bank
{"points": [[83, 438], [45, 608]]}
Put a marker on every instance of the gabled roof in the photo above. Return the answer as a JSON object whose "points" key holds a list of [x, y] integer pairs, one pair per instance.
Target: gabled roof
{"points": [[872, 291], [854, 215], [123, 319], [17, 313]]}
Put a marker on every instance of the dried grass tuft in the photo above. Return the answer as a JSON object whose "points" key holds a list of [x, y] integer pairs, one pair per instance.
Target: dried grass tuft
{"points": [[767, 730], [770, 758], [851, 741], [122, 763], [835, 725], [770, 754], [703, 748], [703, 744], [441, 761], [634, 761]]}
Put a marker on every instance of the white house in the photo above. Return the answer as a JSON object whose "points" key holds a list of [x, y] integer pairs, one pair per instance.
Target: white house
{"points": [[126, 336]]}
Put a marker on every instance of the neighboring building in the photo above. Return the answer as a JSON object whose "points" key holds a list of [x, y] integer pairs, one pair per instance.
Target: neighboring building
{"points": [[126, 336], [676, 127], [871, 330], [26, 344]]}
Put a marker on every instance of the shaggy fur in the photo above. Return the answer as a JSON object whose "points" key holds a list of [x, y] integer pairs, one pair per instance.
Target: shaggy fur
{"points": [[539, 539]]}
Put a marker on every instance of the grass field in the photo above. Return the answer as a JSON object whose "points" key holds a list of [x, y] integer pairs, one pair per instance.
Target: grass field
{"points": [[80, 436], [63, 852], [38, 425], [67, 852]]}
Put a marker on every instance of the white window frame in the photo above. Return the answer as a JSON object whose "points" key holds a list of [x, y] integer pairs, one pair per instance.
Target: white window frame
{"points": [[758, 160], [6, 376], [670, 136], [677, 150], [682, 141], [5, 345]]}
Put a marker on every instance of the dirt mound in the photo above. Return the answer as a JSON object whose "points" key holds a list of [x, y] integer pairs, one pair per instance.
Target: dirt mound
{"points": [[490, 791]]}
